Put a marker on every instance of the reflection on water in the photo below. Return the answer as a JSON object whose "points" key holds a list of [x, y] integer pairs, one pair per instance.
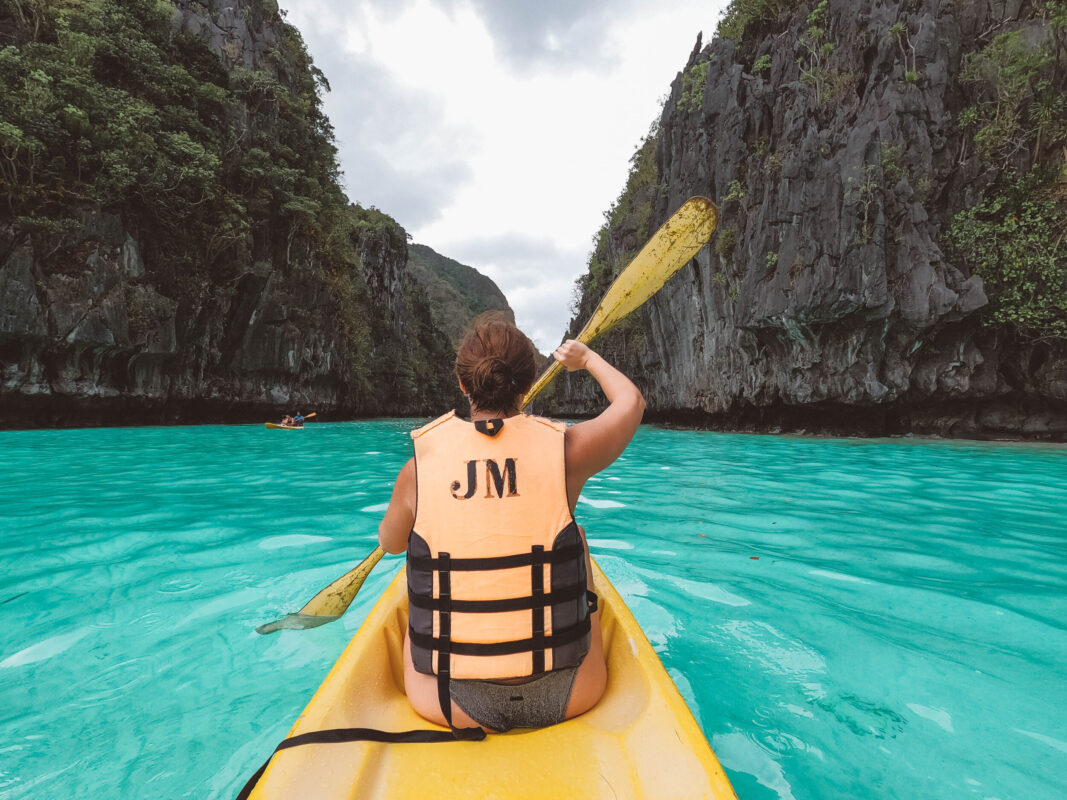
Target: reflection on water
{"points": [[847, 618]]}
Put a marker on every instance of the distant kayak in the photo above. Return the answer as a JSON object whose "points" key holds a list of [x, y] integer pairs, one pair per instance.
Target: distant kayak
{"points": [[639, 741], [276, 427]]}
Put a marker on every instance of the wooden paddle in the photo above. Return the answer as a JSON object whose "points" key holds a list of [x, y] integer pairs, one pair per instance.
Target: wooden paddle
{"points": [[672, 247]]}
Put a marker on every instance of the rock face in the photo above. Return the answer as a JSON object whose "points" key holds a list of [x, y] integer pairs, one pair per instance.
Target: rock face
{"points": [[96, 329], [827, 301], [86, 338]]}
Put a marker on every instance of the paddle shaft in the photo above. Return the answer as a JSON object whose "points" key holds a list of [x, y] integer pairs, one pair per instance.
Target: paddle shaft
{"points": [[671, 247]]}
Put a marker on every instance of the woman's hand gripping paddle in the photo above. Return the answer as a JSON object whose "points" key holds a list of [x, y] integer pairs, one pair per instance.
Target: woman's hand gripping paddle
{"points": [[672, 247]]}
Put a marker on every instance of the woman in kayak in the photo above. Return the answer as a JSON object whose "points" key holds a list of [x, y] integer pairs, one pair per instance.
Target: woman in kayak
{"points": [[504, 630]]}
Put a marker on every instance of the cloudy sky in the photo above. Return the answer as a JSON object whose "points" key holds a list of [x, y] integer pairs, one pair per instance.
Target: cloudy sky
{"points": [[498, 132]]}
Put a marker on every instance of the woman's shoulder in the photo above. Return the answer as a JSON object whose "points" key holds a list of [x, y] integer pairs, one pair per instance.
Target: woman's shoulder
{"points": [[554, 424], [429, 426]]}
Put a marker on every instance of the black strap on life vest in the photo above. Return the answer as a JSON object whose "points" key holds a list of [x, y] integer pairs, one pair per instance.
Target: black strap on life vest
{"points": [[509, 604], [537, 590], [444, 653], [444, 673], [536, 603], [566, 636], [534, 557]]}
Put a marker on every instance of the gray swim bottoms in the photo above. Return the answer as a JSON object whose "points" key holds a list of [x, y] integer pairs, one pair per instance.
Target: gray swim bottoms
{"points": [[503, 706]]}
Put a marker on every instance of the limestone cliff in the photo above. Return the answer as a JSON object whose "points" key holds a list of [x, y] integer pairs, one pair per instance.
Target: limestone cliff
{"points": [[174, 245], [869, 159]]}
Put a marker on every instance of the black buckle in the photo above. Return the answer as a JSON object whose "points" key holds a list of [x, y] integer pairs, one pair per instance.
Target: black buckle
{"points": [[490, 427]]}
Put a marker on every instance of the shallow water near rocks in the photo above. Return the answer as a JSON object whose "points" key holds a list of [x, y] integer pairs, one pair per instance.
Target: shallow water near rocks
{"points": [[846, 618]]}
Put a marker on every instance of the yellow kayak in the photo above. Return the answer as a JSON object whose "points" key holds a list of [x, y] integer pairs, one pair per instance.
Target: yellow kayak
{"points": [[639, 741], [276, 427]]}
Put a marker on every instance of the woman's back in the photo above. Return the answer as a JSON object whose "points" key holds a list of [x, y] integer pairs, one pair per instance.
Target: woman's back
{"points": [[498, 569]]}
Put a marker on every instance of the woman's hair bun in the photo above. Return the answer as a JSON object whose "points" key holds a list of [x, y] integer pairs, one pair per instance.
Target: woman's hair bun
{"points": [[491, 371], [496, 363]]}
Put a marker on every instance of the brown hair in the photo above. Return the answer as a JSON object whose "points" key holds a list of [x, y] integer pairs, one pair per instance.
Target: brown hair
{"points": [[496, 363]]}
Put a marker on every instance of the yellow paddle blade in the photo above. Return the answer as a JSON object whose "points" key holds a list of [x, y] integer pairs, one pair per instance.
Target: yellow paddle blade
{"points": [[330, 603], [670, 248]]}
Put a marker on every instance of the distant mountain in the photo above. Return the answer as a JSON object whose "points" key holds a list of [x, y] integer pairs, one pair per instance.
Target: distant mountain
{"points": [[456, 293]]}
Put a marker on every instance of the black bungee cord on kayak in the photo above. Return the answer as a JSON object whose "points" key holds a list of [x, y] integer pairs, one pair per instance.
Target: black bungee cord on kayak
{"points": [[343, 735]]}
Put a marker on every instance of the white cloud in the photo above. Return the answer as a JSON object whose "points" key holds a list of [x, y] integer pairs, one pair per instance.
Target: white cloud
{"points": [[498, 132]]}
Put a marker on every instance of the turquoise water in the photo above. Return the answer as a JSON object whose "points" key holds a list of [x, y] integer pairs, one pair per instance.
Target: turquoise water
{"points": [[847, 618]]}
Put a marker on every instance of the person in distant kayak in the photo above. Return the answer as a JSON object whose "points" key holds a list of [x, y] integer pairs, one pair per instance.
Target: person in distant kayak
{"points": [[287, 420], [504, 631], [298, 420]]}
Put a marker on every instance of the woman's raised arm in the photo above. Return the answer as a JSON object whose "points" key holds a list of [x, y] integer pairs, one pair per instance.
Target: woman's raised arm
{"points": [[594, 444]]}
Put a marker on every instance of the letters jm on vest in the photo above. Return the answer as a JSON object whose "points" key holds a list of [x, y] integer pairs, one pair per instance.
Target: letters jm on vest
{"points": [[494, 479]]}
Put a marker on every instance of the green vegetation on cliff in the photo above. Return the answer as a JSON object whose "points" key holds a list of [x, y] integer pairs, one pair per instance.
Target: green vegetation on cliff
{"points": [[456, 293], [742, 14], [103, 103], [1014, 241], [1017, 124]]}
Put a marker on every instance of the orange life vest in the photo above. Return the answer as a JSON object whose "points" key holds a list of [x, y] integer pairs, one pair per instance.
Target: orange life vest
{"points": [[496, 563]]}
